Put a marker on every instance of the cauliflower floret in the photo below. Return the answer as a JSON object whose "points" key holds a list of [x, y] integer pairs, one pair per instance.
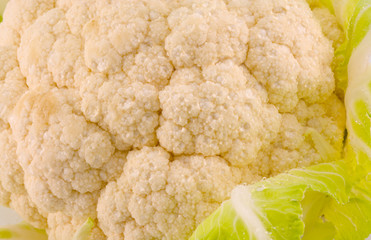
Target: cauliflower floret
{"points": [[78, 13], [42, 56], [204, 34], [66, 160], [7, 180], [295, 145], [330, 26], [149, 65], [12, 190], [12, 183], [126, 109], [143, 115], [12, 173], [157, 198], [215, 113], [126, 104], [287, 32], [12, 83], [28, 210], [8, 59], [19, 15]]}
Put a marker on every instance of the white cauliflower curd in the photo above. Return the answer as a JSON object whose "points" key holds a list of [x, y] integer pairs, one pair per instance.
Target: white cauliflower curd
{"points": [[144, 115]]}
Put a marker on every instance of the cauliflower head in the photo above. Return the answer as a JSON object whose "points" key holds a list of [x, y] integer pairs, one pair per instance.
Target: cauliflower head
{"points": [[144, 115]]}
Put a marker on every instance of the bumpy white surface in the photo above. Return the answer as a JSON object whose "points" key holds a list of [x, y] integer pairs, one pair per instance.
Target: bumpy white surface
{"points": [[143, 115]]}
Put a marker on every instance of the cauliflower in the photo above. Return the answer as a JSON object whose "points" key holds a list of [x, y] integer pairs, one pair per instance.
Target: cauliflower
{"points": [[156, 193], [144, 115]]}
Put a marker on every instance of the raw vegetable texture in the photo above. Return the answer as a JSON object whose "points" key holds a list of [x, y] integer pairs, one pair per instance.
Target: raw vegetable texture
{"points": [[326, 201], [142, 116]]}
